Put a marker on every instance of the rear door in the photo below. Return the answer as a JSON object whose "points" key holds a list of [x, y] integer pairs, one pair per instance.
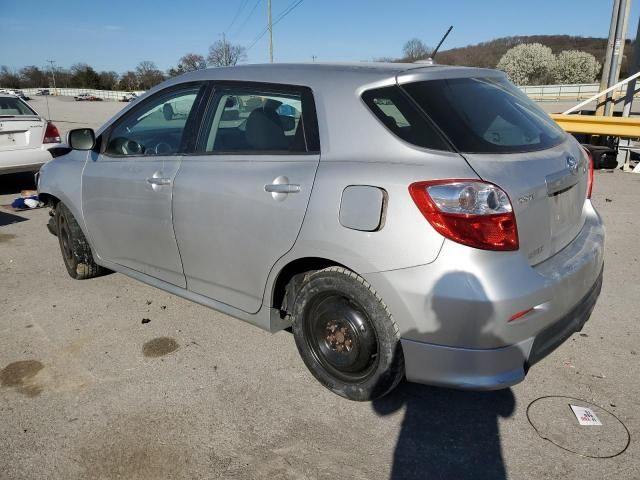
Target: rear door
{"points": [[127, 188], [240, 200], [511, 142]]}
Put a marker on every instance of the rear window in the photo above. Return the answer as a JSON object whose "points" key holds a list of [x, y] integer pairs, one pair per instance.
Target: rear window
{"points": [[12, 106], [400, 115], [486, 115]]}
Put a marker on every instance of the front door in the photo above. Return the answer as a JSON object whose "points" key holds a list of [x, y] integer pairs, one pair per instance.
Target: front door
{"points": [[240, 201], [127, 189]]}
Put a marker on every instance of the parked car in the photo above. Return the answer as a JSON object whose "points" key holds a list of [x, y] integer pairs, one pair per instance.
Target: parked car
{"points": [[18, 93], [129, 97], [403, 219], [43, 91], [87, 97], [25, 136]]}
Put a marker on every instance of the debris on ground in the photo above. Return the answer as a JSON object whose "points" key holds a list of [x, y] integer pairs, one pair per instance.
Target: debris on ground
{"points": [[585, 416], [27, 203], [146, 320]]}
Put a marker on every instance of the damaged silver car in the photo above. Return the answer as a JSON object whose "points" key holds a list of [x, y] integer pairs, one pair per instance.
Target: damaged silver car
{"points": [[404, 220]]}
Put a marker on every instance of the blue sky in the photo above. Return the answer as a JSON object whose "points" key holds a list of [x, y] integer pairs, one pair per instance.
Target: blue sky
{"points": [[117, 35]]}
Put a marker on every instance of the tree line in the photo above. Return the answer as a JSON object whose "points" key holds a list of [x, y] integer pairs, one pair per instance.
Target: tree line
{"points": [[525, 59], [524, 63], [143, 77]]}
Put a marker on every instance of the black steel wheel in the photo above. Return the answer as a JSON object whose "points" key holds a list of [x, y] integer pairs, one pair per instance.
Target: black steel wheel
{"points": [[76, 252], [346, 336], [341, 337]]}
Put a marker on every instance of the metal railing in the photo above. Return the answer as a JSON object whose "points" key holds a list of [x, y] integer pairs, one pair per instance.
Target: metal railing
{"points": [[572, 92]]}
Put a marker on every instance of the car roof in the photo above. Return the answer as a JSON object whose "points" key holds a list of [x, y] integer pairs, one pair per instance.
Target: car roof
{"points": [[313, 74]]}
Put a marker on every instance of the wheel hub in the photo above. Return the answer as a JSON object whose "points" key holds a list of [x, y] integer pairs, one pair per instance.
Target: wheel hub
{"points": [[338, 337], [341, 337]]}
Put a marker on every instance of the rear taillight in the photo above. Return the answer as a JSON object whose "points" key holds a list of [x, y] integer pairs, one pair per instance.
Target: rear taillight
{"points": [[589, 158], [471, 212], [51, 134]]}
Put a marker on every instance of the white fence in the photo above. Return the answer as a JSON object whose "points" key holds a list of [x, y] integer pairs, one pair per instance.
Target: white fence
{"points": [[579, 91], [535, 92], [114, 95]]}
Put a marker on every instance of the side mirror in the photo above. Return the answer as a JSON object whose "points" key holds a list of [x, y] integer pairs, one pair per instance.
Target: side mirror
{"points": [[81, 139]]}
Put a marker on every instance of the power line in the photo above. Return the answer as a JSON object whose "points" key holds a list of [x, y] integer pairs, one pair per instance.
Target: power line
{"points": [[280, 17], [283, 14], [255, 5], [240, 8]]}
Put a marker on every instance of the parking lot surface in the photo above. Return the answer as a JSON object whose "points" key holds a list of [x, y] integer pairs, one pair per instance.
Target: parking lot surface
{"points": [[68, 114], [110, 378]]}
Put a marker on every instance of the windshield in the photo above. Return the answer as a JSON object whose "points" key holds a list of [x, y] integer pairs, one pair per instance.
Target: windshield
{"points": [[11, 106], [486, 115]]}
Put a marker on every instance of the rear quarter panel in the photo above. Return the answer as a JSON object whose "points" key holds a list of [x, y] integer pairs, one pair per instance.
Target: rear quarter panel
{"points": [[357, 149]]}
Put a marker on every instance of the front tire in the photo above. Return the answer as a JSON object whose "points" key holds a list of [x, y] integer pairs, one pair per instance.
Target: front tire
{"points": [[75, 249], [346, 335]]}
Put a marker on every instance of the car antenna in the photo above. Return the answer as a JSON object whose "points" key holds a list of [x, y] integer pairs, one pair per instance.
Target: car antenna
{"points": [[444, 37]]}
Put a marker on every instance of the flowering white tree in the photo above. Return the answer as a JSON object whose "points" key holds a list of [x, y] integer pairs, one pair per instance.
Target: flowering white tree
{"points": [[573, 66], [528, 64]]}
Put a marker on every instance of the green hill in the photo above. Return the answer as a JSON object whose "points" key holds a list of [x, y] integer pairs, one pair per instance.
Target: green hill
{"points": [[488, 54]]}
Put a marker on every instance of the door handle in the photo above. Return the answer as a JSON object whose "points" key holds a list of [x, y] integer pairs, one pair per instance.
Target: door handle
{"points": [[158, 181], [282, 188]]}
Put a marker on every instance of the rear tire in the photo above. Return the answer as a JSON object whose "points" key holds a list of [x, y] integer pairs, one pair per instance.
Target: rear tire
{"points": [[346, 335], [75, 249]]}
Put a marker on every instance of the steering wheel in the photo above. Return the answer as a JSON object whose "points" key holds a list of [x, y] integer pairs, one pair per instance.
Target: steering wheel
{"points": [[131, 147], [163, 148]]}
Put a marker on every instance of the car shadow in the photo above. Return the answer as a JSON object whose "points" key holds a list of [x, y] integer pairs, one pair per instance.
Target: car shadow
{"points": [[445, 433], [16, 182]]}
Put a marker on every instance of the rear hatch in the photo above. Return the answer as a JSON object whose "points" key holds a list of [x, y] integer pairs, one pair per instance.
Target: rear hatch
{"points": [[20, 127], [509, 141]]}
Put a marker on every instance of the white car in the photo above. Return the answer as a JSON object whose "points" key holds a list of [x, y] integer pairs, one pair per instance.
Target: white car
{"points": [[25, 137], [129, 97]]}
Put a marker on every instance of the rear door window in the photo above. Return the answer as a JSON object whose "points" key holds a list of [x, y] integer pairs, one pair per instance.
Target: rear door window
{"points": [[486, 115], [249, 120]]}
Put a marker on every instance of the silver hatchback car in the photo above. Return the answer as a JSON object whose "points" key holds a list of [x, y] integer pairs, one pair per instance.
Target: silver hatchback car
{"points": [[404, 220]]}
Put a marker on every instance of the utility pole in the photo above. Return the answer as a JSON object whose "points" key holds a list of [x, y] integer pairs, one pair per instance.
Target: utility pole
{"points": [[615, 46], [634, 66], [225, 50], [270, 24], [53, 75]]}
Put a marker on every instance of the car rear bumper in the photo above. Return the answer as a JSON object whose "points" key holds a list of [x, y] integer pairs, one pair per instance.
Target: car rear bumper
{"points": [[27, 160], [454, 314], [490, 369]]}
